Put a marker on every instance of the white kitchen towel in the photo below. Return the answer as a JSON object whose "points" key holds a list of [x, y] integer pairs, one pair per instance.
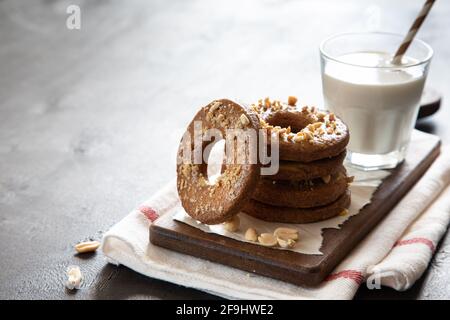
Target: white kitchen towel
{"points": [[411, 254], [127, 243]]}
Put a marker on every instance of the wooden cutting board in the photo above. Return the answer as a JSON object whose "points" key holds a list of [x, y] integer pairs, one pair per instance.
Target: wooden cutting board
{"points": [[293, 267]]}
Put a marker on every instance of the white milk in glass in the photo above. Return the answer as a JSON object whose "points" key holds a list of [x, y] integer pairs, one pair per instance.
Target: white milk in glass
{"points": [[378, 103]]}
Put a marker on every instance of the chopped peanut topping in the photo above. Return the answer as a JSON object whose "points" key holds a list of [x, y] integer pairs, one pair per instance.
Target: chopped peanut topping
{"points": [[332, 117], [299, 137], [326, 179], [292, 100], [317, 125], [321, 115], [244, 119]]}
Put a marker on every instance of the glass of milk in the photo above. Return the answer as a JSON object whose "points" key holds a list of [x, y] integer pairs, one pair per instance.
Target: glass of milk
{"points": [[377, 99]]}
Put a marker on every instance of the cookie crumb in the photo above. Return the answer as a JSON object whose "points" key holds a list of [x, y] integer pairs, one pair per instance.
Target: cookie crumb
{"points": [[75, 278]]}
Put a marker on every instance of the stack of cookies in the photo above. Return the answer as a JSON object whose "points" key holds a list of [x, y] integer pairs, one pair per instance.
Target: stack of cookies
{"points": [[311, 183]]}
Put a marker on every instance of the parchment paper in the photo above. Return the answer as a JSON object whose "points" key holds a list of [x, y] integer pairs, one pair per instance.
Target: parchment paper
{"points": [[310, 235]]}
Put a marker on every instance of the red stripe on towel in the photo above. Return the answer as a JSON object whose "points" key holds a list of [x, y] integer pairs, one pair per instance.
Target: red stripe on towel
{"points": [[347, 274], [149, 213], [424, 241]]}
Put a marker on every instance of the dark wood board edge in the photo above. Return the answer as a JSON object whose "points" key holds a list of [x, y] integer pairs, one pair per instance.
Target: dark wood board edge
{"points": [[219, 254], [403, 181], [286, 265], [181, 232]]}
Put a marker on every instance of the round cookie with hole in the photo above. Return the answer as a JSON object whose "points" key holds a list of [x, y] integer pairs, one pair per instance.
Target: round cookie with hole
{"points": [[306, 134], [218, 201]]}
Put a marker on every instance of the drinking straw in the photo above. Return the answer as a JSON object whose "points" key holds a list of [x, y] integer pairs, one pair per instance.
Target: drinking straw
{"points": [[412, 31]]}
